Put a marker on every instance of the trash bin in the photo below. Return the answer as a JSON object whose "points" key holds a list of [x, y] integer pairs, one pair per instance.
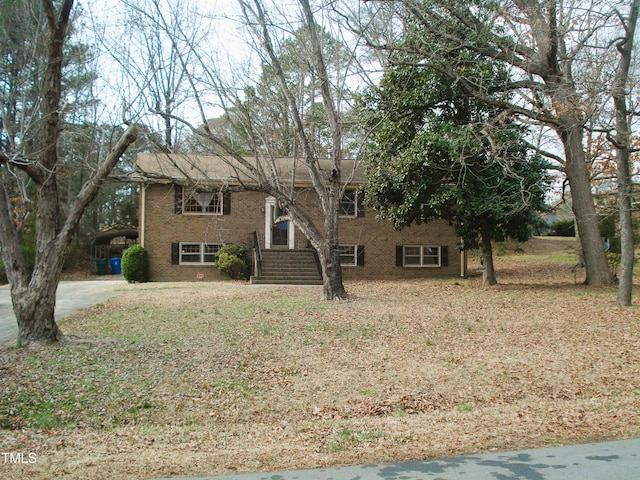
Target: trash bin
{"points": [[115, 265], [102, 266]]}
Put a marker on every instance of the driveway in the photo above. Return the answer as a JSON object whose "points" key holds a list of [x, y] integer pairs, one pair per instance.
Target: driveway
{"points": [[72, 296]]}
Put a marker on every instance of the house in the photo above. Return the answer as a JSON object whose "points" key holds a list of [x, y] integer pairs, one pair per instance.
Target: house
{"points": [[192, 205]]}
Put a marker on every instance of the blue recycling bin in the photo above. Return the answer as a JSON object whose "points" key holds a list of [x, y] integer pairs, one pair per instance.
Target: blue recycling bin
{"points": [[115, 265]]}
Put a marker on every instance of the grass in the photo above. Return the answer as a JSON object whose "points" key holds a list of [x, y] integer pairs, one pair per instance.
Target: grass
{"points": [[345, 438], [204, 379]]}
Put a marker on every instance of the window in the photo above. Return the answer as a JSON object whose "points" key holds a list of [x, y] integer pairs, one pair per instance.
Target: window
{"points": [[348, 255], [198, 253], [348, 203], [351, 255], [198, 202], [421, 256], [203, 202], [351, 204]]}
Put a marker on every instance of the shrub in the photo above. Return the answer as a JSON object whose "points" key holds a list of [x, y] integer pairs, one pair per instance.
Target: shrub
{"points": [[564, 228], [135, 264], [232, 265], [235, 249]]}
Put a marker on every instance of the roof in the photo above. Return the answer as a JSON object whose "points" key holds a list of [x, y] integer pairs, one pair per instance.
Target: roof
{"points": [[107, 234], [217, 168]]}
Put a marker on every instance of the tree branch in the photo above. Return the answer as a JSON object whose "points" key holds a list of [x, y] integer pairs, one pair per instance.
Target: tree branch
{"points": [[90, 189]]}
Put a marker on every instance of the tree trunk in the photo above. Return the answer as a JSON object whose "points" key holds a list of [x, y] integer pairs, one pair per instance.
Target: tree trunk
{"points": [[625, 285], [332, 285], [34, 302], [34, 308], [34, 293], [595, 259], [332, 270], [622, 143], [488, 270]]}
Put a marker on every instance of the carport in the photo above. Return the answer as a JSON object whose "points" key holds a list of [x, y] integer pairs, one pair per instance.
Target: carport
{"points": [[109, 244]]}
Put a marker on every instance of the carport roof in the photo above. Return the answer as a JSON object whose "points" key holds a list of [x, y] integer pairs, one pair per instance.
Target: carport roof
{"points": [[107, 234]]}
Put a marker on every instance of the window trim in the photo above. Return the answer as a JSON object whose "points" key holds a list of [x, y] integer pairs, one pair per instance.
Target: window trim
{"points": [[422, 256], [201, 252]]}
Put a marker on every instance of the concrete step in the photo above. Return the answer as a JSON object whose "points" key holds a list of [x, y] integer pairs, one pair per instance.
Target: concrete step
{"points": [[292, 267], [285, 281], [289, 268]]}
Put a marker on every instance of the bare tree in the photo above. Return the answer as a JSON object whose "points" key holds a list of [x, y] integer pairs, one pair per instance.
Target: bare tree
{"points": [[622, 142], [155, 60], [32, 122], [557, 57], [269, 29]]}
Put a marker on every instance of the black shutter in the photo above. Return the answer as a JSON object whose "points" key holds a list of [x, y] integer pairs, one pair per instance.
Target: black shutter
{"points": [[226, 203], [175, 254], [360, 256], [177, 199], [444, 256], [399, 255], [360, 203]]}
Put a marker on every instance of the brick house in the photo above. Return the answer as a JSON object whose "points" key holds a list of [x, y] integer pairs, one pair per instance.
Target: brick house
{"points": [[191, 206]]}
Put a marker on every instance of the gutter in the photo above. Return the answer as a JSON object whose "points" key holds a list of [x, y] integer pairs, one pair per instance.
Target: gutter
{"points": [[143, 213]]}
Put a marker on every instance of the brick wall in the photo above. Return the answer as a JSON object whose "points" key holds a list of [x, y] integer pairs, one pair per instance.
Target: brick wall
{"points": [[163, 227], [380, 241], [247, 214]]}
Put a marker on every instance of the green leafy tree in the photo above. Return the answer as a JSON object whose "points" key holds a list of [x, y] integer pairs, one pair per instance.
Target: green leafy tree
{"points": [[559, 55], [233, 259], [436, 152]]}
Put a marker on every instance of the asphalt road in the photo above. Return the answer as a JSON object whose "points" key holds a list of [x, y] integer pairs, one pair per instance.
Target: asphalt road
{"points": [[617, 460], [72, 296]]}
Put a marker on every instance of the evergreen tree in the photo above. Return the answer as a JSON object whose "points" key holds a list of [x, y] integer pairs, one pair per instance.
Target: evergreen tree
{"points": [[436, 152]]}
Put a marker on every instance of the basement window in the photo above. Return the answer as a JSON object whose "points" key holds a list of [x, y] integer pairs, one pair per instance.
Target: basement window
{"points": [[198, 253], [421, 256], [351, 255], [348, 255]]}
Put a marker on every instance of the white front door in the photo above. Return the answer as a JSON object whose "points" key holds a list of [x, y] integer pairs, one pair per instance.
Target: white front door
{"points": [[277, 234]]}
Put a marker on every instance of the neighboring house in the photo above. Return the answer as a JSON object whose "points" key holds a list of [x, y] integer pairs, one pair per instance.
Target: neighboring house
{"points": [[192, 205], [560, 211]]}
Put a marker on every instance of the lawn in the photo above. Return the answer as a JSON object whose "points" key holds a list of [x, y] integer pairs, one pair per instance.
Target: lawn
{"points": [[209, 378]]}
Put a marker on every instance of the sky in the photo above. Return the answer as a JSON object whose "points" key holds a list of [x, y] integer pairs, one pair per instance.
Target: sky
{"points": [[104, 20]]}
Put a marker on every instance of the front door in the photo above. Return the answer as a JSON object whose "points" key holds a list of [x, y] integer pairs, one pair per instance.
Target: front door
{"points": [[278, 234], [279, 230]]}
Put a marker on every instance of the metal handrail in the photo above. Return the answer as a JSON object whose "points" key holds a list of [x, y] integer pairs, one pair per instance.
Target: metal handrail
{"points": [[257, 253]]}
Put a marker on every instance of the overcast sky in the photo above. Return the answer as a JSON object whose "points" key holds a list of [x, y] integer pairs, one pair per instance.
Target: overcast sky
{"points": [[103, 22]]}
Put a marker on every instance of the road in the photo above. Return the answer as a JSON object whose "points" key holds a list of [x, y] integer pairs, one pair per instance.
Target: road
{"points": [[72, 296], [616, 460]]}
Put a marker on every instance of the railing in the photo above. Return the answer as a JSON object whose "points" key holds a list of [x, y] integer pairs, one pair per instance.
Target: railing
{"points": [[257, 254]]}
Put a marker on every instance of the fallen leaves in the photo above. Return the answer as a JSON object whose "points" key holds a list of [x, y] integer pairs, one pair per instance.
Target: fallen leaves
{"points": [[201, 379], [407, 404]]}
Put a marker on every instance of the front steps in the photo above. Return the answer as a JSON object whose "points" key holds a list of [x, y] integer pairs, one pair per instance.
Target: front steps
{"points": [[289, 267]]}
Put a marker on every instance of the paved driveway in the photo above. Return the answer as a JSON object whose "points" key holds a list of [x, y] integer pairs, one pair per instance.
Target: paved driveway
{"points": [[72, 296]]}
